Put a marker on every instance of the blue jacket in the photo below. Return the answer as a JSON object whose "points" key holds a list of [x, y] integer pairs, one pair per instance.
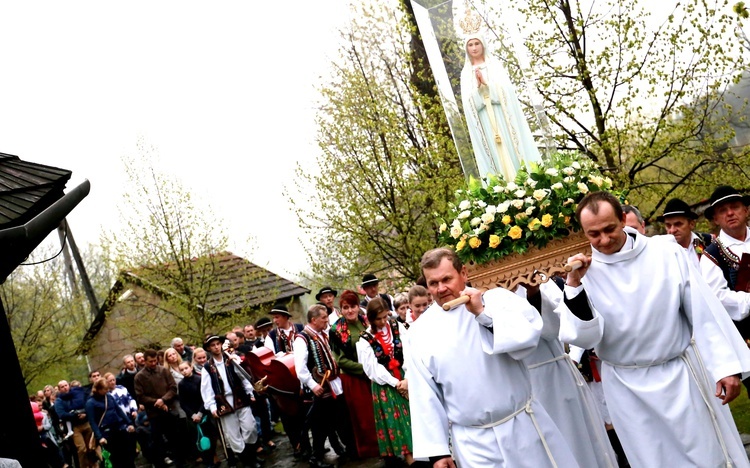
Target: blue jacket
{"points": [[69, 405], [114, 419]]}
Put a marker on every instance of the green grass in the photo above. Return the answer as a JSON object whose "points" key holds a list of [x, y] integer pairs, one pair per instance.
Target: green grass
{"points": [[741, 412]]}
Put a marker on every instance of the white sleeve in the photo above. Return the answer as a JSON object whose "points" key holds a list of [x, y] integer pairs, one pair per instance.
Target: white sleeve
{"points": [[576, 353], [300, 363], [516, 324], [207, 391], [582, 333], [268, 343], [737, 303], [372, 368]]}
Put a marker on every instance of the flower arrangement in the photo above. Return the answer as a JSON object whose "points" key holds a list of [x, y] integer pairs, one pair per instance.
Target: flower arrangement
{"points": [[498, 218]]}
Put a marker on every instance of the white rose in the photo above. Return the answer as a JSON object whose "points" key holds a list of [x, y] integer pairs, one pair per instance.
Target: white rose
{"points": [[540, 194], [487, 218], [475, 221], [529, 210], [583, 188], [551, 172], [481, 203], [491, 209], [576, 165], [456, 232], [569, 201], [503, 207], [569, 171], [569, 180], [456, 223], [498, 188], [520, 193], [531, 182], [529, 200], [597, 180], [511, 186], [465, 205], [557, 186], [464, 214], [517, 204], [443, 227]]}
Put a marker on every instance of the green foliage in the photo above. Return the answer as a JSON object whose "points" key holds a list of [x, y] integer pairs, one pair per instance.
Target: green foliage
{"points": [[643, 97], [387, 163], [497, 218]]}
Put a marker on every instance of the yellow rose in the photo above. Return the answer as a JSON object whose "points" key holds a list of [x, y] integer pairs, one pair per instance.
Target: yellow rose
{"points": [[474, 242], [515, 232], [567, 219], [461, 244], [547, 220], [494, 241], [506, 220], [534, 224]]}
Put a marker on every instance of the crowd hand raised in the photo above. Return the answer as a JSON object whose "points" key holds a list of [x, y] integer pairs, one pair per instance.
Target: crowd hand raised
{"points": [[574, 276], [475, 304], [729, 387]]}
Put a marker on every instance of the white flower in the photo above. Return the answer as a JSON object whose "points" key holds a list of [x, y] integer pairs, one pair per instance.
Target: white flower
{"points": [[475, 221], [456, 223], [481, 203], [503, 207], [569, 201], [597, 180], [576, 165], [529, 200], [487, 218], [607, 182], [511, 186], [569, 171], [520, 193], [465, 205], [557, 186], [443, 227], [531, 182], [498, 188], [480, 229], [529, 210], [517, 204], [491, 209], [540, 194], [569, 180], [456, 232], [464, 214], [551, 171], [583, 188]]}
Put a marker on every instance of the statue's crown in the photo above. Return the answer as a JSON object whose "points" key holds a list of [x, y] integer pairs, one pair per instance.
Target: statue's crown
{"points": [[471, 23]]}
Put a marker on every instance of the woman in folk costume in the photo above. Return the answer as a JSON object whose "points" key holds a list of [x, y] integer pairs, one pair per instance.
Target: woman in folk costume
{"points": [[344, 335], [381, 352], [500, 135]]}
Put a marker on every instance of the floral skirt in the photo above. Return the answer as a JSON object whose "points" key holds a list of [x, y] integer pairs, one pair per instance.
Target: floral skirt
{"points": [[392, 421]]}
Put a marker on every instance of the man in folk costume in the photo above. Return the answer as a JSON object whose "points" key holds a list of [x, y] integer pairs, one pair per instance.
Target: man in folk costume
{"points": [[326, 296], [466, 377], [281, 338], [559, 386], [370, 285], [317, 370], [670, 356], [679, 221], [227, 395]]}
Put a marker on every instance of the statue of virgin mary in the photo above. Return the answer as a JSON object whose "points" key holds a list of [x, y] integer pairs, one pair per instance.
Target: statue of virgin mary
{"points": [[500, 135]]}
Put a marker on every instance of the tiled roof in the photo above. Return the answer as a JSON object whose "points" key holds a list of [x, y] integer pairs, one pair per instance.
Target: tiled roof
{"points": [[26, 189], [235, 282]]}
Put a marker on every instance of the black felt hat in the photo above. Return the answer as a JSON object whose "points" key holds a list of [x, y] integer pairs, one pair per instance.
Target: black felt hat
{"points": [[324, 290], [677, 207], [280, 309], [263, 322], [724, 194], [369, 278], [211, 338]]}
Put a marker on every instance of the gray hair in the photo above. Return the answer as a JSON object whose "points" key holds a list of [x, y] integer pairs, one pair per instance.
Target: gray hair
{"points": [[631, 209]]}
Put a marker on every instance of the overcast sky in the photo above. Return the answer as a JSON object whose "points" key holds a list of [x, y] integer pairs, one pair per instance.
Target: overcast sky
{"points": [[223, 90]]}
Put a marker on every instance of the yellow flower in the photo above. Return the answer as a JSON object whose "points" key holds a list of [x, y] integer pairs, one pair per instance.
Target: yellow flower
{"points": [[547, 220], [494, 241], [461, 244], [506, 220], [534, 224], [567, 219], [474, 242], [515, 232]]}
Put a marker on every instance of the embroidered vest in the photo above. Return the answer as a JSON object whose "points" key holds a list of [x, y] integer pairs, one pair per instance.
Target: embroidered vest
{"points": [[729, 264], [380, 354], [319, 356], [241, 398]]}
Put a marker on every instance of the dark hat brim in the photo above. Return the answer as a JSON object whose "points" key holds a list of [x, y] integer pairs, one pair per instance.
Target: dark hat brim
{"points": [[279, 312], [709, 213], [258, 326], [326, 291], [370, 281], [687, 214], [211, 338]]}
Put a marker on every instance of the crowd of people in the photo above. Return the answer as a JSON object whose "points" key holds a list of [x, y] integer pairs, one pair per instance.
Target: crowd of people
{"points": [[423, 379]]}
